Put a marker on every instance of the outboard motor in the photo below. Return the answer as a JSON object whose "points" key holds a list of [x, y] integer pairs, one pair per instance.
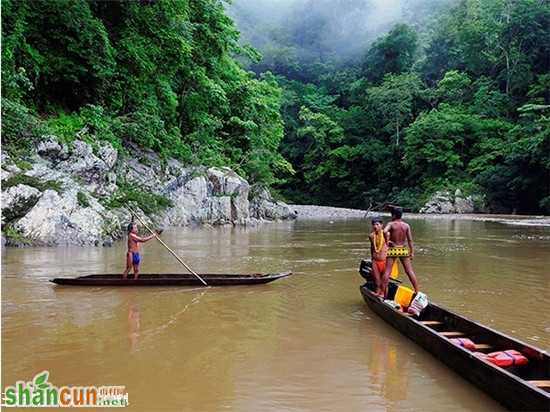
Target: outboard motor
{"points": [[365, 269]]}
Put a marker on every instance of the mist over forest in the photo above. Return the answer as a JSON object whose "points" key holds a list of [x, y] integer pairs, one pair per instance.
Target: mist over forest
{"points": [[396, 100], [325, 31]]}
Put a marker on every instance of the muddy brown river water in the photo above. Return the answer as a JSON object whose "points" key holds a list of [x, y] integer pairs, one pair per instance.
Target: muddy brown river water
{"points": [[304, 343]]}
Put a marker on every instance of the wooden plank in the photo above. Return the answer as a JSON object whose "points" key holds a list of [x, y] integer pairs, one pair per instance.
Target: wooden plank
{"points": [[431, 322], [451, 334], [540, 384], [480, 346]]}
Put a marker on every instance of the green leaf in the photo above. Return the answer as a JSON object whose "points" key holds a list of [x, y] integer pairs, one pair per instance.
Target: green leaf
{"points": [[41, 378]]}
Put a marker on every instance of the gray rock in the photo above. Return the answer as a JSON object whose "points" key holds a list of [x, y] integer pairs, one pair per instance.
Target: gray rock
{"points": [[108, 154], [219, 210], [464, 205], [9, 168], [56, 219], [17, 201], [5, 174], [199, 195], [50, 148], [445, 203], [263, 206], [89, 168]]}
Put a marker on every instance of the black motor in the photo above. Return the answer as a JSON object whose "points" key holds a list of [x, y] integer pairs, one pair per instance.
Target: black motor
{"points": [[365, 269]]}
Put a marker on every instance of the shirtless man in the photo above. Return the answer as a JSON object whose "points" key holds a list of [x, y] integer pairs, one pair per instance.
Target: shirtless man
{"points": [[133, 257], [378, 251], [397, 233]]}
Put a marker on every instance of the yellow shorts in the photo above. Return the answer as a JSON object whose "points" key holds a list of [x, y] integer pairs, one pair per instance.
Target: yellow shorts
{"points": [[398, 251]]}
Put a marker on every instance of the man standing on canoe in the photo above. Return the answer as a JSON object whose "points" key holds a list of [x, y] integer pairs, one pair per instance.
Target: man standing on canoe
{"points": [[397, 233], [133, 257]]}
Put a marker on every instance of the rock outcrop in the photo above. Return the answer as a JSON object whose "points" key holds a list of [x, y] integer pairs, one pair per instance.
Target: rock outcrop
{"points": [[445, 202], [263, 206], [79, 194]]}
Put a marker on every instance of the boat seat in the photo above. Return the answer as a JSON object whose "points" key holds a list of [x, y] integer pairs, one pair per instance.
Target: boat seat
{"points": [[482, 346], [540, 384], [431, 322], [451, 334]]}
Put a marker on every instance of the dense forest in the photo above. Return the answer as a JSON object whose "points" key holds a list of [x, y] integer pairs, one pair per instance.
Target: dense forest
{"points": [[455, 94], [339, 102], [161, 74]]}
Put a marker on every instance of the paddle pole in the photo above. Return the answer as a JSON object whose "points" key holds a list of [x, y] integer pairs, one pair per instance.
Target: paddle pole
{"points": [[167, 247]]}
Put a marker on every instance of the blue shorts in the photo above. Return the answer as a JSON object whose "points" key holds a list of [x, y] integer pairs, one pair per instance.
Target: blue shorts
{"points": [[136, 258]]}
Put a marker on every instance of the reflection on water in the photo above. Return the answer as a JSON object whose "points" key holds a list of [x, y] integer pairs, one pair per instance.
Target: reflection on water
{"points": [[386, 368], [307, 342]]}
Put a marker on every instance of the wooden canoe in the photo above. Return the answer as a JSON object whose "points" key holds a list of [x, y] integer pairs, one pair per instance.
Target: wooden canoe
{"points": [[167, 279], [525, 387]]}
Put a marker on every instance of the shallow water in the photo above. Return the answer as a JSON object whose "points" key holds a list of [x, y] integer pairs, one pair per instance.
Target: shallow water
{"points": [[304, 343]]}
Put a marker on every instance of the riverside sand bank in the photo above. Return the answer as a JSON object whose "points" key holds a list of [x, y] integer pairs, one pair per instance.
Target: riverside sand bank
{"points": [[312, 212]]}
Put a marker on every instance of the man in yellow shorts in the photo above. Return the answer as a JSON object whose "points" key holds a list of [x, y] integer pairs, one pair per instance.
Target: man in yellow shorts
{"points": [[397, 233]]}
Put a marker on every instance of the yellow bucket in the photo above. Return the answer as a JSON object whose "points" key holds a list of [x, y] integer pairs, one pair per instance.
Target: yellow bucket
{"points": [[403, 296], [394, 270]]}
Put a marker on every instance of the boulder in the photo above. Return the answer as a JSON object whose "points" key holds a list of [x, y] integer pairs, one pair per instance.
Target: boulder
{"points": [[219, 210], [17, 201], [263, 206], [445, 202], [464, 205], [57, 219], [89, 168], [9, 168], [50, 148], [225, 182], [108, 154], [199, 195]]}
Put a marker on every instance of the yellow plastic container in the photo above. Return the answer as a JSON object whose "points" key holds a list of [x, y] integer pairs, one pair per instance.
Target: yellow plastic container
{"points": [[403, 296], [394, 270]]}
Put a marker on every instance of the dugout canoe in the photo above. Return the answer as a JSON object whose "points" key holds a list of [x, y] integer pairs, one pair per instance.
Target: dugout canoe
{"points": [[525, 387], [168, 279]]}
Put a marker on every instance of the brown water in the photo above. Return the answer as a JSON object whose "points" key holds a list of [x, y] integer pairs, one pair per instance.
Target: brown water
{"points": [[304, 343]]}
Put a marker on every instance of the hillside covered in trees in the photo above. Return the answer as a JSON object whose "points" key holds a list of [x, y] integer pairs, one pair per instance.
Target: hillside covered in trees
{"points": [[456, 94], [161, 74], [340, 102]]}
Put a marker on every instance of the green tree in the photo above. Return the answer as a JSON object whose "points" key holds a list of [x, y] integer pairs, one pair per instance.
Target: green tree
{"points": [[393, 102], [394, 53]]}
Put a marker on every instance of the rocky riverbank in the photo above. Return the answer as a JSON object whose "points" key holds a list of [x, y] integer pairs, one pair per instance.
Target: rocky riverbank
{"points": [[82, 194]]}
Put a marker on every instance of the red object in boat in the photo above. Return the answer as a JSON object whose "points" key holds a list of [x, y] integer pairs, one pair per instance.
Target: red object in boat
{"points": [[504, 358], [464, 342]]}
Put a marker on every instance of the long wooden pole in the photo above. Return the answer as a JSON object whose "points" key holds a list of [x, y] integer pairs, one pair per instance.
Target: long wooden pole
{"points": [[167, 247]]}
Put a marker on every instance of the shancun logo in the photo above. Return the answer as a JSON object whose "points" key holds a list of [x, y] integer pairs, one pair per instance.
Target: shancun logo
{"points": [[39, 393]]}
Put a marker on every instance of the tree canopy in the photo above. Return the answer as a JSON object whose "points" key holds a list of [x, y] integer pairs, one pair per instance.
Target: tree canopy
{"points": [[454, 94]]}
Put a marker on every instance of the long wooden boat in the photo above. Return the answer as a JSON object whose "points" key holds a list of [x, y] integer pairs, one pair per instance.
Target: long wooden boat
{"points": [[167, 279], [525, 387]]}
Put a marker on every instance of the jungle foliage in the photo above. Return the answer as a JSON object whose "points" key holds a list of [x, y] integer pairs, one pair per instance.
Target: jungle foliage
{"points": [[162, 74], [460, 99], [455, 95]]}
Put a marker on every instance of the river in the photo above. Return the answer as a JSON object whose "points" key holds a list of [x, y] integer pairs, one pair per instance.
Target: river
{"points": [[303, 343]]}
